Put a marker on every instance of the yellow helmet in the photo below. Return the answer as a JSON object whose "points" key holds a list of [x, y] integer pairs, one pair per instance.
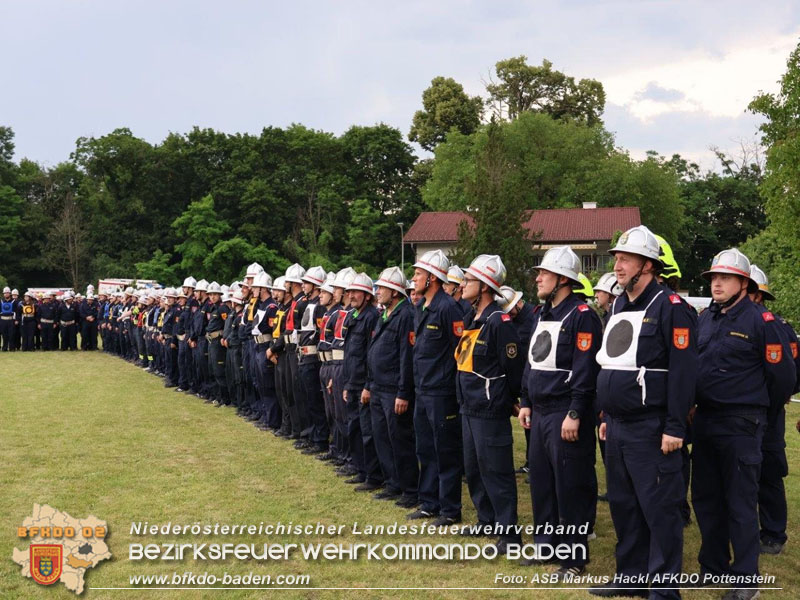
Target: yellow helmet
{"points": [[585, 289], [671, 268]]}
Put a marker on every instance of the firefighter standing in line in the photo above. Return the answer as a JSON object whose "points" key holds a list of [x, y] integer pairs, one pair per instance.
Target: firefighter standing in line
{"points": [[28, 321], [772, 510], [438, 325], [390, 390], [558, 406], [746, 374], [361, 324], [490, 369], [646, 385]]}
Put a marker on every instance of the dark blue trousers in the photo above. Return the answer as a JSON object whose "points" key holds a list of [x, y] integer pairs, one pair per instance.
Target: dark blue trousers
{"points": [[489, 467], [772, 511], [726, 457], [563, 479], [185, 366], [264, 377], [308, 371], [394, 443], [437, 426], [645, 491]]}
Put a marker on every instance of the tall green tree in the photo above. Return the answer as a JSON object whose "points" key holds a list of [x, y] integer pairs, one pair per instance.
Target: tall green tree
{"points": [[199, 229], [445, 107], [775, 249], [521, 87], [497, 208]]}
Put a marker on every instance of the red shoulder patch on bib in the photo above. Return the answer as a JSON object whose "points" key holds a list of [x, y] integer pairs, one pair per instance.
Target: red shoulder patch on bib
{"points": [[774, 353], [675, 299], [767, 316], [458, 328], [505, 318], [583, 307]]}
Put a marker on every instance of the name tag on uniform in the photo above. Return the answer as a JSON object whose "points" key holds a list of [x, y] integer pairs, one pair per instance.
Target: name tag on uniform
{"points": [[744, 336], [431, 327]]}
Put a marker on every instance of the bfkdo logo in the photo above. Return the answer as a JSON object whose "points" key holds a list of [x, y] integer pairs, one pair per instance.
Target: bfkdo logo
{"points": [[62, 548], [46, 562]]}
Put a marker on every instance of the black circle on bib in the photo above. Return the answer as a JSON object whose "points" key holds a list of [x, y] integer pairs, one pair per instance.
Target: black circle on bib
{"points": [[541, 346], [619, 339]]}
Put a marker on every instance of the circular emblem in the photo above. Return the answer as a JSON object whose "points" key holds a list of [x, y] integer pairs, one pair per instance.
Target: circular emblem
{"points": [[619, 339], [541, 347]]}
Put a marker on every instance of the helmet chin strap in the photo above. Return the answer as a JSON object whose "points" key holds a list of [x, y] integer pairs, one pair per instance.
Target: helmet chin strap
{"points": [[552, 295], [718, 306], [635, 279]]}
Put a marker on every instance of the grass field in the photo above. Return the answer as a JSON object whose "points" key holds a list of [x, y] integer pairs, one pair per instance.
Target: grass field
{"points": [[91, 434]]}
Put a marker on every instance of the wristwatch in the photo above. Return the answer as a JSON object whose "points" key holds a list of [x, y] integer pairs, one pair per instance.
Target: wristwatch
{"points": [[573, 414]]}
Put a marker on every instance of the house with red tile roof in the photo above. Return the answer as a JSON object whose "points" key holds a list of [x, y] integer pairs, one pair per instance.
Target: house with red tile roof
{"points": [[588, 230]]}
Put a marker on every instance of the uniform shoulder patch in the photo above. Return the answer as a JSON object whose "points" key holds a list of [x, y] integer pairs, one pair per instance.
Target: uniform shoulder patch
{"points": [[680, 337], [774, 353], [584, 341], [505, 317], [793, 346], [511, 350], [458, 328], [675, 299], [767, 316], [583, 307]]}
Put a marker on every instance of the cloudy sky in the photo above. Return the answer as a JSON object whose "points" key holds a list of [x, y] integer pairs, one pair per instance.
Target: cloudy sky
{"points": [[678, 75]]}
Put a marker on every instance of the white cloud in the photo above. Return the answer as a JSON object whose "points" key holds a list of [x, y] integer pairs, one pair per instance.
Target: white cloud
{"points": [[720, 85]]}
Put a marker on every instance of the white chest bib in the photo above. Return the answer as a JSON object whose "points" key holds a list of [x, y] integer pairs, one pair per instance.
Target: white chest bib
{"points": [[621, 343], [257, 320], [307, 323], [544, 344]]}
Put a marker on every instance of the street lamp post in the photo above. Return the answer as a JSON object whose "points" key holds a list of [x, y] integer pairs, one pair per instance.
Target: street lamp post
{"points": [[402, 250]]}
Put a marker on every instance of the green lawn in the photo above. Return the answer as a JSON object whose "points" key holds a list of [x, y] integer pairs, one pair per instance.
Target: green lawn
{"points": [[91, 434]]}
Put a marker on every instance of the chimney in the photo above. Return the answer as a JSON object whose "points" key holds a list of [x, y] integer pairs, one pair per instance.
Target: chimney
{"points": [[590, 205]]}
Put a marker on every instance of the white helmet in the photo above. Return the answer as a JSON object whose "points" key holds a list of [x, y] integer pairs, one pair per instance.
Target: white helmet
{"points": [[315, 275], [639, 240], [608, 283], [15, 292], [213, 288], [253, 270], [180, 293], [89, 287], [6, 290], [171, 293], [226, 297], [561, 260], [89, 295], [435, 263], [361, 283], [344, 277], [190, 282], [455, 274], [294, 274], [225, 288], [393, 279], [129, 291], [279, 284], [489, 269], [732, 262], [508, 298], [235, 286], [762, 282], [409, 285], [328, 285], [237, 297], [262, 280], [202, 286], [28, 293]]}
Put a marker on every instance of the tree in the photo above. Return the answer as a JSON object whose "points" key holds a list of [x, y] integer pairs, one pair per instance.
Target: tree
{"points": [[199, 228], [68, 242], [522, 87], [497, 208], [157, 268], [775, 249], [445, 107]]}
